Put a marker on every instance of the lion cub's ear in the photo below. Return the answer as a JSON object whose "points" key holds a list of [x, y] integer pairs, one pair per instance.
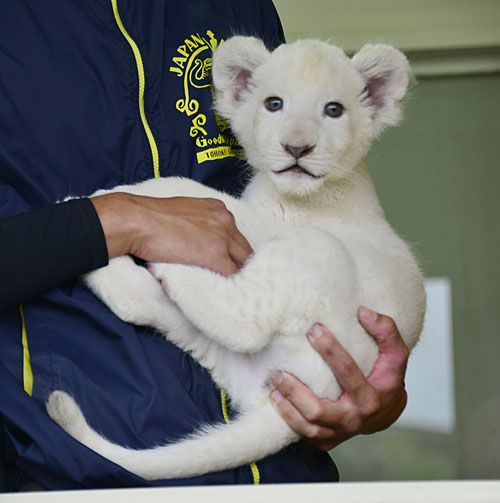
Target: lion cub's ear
{"points": [[234, 63], [388, 77]]}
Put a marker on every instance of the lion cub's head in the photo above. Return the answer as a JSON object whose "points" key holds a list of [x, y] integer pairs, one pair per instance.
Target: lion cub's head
{"points": [[306, 113]]}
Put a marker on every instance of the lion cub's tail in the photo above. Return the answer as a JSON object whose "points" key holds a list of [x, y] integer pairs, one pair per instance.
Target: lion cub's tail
{"points": [[248, 438]]}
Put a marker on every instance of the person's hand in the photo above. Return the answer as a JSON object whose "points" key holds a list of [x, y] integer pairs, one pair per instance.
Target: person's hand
{"points": [[367, 405], [183, 230]]}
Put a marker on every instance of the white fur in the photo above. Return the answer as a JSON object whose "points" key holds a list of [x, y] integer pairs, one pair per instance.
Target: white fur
{"points": [[322, 248]]}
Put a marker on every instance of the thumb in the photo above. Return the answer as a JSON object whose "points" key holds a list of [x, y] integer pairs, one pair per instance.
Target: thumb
{"points": [[393, 352], [381, 327]]}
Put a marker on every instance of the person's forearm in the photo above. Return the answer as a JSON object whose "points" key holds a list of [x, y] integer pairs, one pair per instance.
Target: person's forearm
{"points": [[119, 215], [45, 247]]}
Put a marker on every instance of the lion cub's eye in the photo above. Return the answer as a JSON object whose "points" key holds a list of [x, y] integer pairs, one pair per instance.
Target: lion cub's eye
{"points": [[334, 109], [273, 104]]}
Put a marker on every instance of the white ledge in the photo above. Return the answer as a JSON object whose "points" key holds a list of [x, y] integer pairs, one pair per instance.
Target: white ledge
{"points": [[369, 492]]}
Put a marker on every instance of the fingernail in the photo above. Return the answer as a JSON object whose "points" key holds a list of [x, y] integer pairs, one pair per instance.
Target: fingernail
{"points": [[368, 314], [276, 396], [317, 331], [277, 378]]}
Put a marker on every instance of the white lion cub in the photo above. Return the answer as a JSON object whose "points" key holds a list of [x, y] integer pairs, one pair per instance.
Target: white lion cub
{"points": [[306, 115]]}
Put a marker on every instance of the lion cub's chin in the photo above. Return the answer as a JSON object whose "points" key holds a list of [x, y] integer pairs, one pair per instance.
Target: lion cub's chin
{"points": [[296, 182]]}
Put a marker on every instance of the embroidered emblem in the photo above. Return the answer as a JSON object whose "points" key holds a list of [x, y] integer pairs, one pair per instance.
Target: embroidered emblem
{"points": [[193, 64]]}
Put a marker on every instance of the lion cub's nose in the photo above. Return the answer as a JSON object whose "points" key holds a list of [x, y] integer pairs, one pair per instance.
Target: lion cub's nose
{"points": [[299, 151]]}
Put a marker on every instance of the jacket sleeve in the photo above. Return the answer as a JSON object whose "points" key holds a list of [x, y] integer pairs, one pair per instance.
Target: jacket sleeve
{"points": [[48, 246]]}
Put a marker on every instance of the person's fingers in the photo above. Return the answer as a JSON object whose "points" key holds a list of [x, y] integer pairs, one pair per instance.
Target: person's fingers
{"points": [[233, 247], [321, 412], [301, 396], [296, 421], [348, 374], [393, 358], [239, 249], [218, 259], [382, 328], [225, 267]]}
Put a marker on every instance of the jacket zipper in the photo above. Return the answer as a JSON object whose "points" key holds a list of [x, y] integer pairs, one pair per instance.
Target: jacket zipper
{"points": [[142, 87]]}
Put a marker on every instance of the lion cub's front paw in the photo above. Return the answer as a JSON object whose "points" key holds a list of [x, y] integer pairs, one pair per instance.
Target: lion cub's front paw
{"points": [[180, 282]]}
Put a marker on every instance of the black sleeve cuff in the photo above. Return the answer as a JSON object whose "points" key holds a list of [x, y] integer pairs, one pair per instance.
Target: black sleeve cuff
{"points": [[45, 247]]}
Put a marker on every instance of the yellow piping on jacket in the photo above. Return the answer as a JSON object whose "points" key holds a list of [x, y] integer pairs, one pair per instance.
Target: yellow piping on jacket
{"points": [[27, 371], [253, 466], [142, 87]]}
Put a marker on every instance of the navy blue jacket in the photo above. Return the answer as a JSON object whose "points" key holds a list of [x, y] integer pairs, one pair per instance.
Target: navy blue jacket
{"points": [[95, 93]]}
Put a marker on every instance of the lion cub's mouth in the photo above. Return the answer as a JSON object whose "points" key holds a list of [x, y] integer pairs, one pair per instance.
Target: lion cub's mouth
{"points": [[295, 168]]}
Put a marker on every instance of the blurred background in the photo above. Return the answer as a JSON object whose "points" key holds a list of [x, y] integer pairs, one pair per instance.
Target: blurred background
{"points": [[438, 177]]}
